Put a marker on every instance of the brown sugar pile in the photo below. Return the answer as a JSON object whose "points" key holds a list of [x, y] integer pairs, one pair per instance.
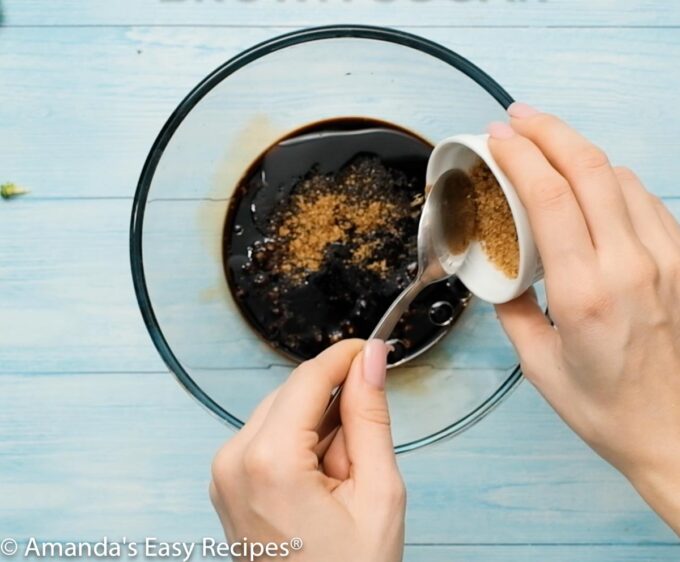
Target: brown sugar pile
{"points": [[345, 209], [476, 209], [495, 226]]}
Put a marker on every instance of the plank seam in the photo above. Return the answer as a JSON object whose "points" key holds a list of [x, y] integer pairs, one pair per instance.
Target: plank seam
{"points": [[306, 24], [654, 544]]}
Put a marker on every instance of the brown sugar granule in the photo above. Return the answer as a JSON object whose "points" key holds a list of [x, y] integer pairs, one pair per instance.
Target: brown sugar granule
{"points": [[309, 228], [495, 226], [321, 236], [474, 207], [338, 209]]}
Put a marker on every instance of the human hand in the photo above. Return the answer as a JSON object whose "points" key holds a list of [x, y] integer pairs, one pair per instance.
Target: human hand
{"points": [[269, 486], [611, 251]]}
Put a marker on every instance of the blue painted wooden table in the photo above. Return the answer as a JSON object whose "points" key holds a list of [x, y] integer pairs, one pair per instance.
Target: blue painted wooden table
{"points": [[96, 438]]}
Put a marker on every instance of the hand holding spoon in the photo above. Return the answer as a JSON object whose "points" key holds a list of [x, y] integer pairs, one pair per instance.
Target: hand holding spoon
{"points": [[435, 263]]}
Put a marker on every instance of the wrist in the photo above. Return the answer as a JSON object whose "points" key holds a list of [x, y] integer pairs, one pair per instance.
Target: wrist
{"points": [[658, 483]]}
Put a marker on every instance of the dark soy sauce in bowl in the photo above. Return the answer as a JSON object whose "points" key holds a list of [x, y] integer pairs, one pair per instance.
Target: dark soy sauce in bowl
{"points": [[320, 237]]}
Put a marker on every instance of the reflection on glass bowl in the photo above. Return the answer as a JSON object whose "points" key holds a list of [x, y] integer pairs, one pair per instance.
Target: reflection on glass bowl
{"points": [[195, 164]]}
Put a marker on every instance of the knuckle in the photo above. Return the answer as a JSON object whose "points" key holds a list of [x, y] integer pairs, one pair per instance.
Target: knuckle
{"points": [[657, 202], [625, 174], [645, 275], [591, 158], [305, 367], [549, 192], [392, 491], [544, 121], [593, 305], [674, 271], [376, 415], [214, 495], [674, 265], [259, 462], [223, 465], [312, 371]]}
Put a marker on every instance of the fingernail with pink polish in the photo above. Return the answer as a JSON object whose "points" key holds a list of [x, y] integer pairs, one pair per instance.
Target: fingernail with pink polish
{"points": [[500, 131], [520, 110], [375, 363]]}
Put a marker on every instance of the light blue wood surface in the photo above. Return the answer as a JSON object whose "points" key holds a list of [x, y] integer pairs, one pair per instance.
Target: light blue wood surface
{"points": [[96, 438]]}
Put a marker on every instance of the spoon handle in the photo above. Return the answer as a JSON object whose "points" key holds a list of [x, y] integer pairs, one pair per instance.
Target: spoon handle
{"points": [[330, 422], [396, 310]]}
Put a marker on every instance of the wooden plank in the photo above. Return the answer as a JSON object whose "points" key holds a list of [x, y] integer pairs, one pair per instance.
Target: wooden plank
{"points": [[71, 126], [296, 13], [89, 320], [76, 466], [541, 553], [68, 300], [67, 289]]}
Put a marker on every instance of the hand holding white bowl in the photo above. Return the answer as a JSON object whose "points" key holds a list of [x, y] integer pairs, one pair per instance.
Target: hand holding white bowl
{"points": [[611, 251]]}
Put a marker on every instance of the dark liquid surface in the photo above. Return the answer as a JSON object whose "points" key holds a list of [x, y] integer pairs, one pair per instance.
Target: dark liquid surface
{"points": [[302, 300]]}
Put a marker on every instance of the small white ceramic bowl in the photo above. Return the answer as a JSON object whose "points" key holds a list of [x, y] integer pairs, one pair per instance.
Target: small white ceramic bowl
{"points": [[477, 272]]}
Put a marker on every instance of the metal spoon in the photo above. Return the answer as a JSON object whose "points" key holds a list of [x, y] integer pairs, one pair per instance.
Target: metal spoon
{"points": [[435, 263]]}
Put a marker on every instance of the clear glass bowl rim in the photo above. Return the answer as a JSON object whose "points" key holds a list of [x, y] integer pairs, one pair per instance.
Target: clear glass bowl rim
{"points": [[306, 35]]}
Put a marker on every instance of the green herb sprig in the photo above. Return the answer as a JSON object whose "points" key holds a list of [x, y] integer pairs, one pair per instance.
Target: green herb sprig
{"points": [[9, 190]]}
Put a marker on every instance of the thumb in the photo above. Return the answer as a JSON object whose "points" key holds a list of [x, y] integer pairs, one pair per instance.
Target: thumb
{"points": [[529, 331], [365, 417]]}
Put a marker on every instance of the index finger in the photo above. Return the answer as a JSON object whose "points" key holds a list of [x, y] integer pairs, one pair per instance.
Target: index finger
{"points": [[303, 398], [556, 219], [587, 169]]}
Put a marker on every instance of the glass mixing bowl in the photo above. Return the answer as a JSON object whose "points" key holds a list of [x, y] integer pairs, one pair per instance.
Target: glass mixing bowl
{"points": [[210, 140]]}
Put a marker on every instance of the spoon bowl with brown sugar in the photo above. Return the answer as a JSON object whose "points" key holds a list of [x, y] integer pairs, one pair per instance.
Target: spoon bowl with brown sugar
{"points": [[482, 220]]}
